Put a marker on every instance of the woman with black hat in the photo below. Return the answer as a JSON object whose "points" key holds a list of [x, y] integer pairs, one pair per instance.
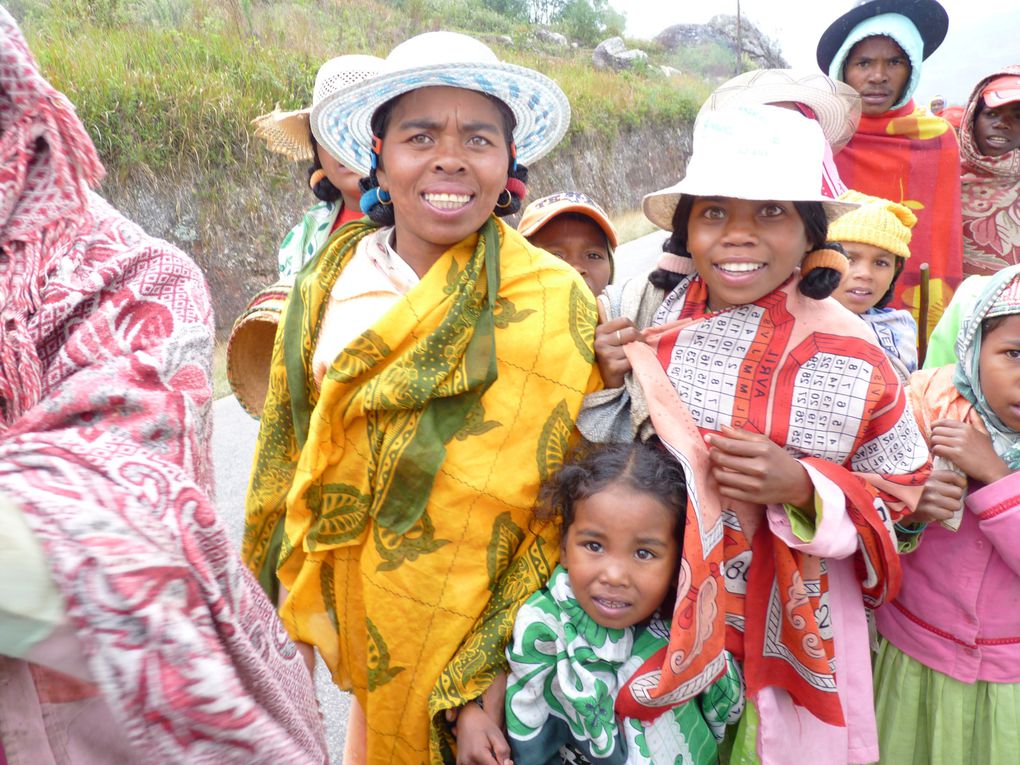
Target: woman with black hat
{"points": [[901, 152]]}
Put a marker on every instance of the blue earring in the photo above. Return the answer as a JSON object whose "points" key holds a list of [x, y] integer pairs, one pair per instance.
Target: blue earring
{"points": [[374, 196]]}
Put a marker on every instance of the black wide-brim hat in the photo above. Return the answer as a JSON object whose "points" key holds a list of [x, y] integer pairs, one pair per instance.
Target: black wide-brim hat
{"points": [[928, 16]]}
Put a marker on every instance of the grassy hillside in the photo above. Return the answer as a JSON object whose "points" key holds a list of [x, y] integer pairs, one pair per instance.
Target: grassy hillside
{"points": [[165, 82]]}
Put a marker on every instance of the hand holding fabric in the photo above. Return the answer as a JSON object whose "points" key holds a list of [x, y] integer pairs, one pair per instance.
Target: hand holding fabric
{"points": [[941, 497], [969, 447], [610, 337], [750, 467]]}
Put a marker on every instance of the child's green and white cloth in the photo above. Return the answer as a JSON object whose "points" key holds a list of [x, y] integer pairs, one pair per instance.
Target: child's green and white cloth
{"points": [[304, 241], [565, 671]]}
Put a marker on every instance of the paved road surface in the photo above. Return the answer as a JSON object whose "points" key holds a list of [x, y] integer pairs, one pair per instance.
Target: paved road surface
{"points": [[234, 434]]}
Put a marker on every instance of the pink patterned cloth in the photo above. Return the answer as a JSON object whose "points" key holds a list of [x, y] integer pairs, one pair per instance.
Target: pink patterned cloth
{"points": [[991, 196], [105, 346]]}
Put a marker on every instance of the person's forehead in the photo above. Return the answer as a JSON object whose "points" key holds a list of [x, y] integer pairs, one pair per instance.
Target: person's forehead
{"points": [[875, 45]]}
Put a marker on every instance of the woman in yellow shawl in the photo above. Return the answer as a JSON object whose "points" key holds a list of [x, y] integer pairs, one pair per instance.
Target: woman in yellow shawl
{"points": [[424, 381]]}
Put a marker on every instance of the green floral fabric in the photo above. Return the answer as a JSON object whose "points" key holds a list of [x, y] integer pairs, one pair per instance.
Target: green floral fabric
{"points": [[565, 671]]}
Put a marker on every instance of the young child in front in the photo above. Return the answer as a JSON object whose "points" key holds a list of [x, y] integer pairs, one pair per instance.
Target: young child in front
{"points": [[605, 610], [947, 678], [811, 443], [575, 229], [876, 238]]}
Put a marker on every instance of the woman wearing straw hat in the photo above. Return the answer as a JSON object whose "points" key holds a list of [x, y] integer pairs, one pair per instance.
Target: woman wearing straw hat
{"points": [[336, 186], [425, 381], [249, 349]]}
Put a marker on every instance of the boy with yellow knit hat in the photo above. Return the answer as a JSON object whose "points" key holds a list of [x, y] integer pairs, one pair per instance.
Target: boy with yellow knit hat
{"points": [[876, 237]]}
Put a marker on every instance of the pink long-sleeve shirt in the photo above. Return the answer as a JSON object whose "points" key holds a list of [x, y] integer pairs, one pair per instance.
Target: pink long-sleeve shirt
{"points": [[958, 610]]}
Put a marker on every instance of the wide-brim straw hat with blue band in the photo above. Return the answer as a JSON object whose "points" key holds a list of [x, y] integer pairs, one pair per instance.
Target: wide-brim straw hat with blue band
{"points": [[751, 152], [343, 121]]}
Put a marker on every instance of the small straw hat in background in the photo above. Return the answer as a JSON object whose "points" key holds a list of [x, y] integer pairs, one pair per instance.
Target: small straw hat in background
{"points": [[836, 105], [250, 347], [288, 133]]}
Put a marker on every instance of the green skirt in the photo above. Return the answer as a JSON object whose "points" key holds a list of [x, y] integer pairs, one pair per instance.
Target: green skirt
{"points": [[928, 718]]}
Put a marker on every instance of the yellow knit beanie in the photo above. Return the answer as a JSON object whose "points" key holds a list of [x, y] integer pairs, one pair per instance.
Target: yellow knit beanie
{"points": [[877, 222]]}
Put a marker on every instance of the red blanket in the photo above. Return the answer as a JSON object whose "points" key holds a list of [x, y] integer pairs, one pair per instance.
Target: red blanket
{"points": [[912, 157]]}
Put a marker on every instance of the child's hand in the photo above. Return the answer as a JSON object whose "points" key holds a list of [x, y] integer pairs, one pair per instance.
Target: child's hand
{"points": [[750, 467], [479, 738], [941, 497], [969, 448], [610, 337]]}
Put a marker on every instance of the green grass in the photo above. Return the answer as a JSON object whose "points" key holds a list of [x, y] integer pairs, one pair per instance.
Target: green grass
{"points": [[161, 83]]}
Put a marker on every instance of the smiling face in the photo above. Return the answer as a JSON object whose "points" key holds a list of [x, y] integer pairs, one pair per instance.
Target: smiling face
{"points": [[620, 552], [997, 131], [879, 70], [871, 272], [580, 242], [444, 163], [744, 249], [343, 179], [999, 370]]}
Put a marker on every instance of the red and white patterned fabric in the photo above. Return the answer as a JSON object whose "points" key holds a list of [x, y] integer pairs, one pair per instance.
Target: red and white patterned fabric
{"points": [[105, 347]]}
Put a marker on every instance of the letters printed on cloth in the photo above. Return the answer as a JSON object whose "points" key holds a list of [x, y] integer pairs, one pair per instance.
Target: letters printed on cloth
{"points": [[911, 157], [808, 376], [408, 482]]}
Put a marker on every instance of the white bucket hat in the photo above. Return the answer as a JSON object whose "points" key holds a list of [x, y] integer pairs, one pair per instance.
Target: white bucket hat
{"points": [[836, 105], [343, 121], [287, 132], [751, 152]]}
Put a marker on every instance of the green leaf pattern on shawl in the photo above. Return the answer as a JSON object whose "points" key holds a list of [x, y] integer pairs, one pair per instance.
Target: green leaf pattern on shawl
{"points": [[506, 539], [341, 516], [506, 313], [554, 441], [582, 323], [395, 549], [379, 670], [474, 666]]}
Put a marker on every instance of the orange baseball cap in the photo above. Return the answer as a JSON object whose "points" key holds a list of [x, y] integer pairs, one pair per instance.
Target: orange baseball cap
{"points": [[543, 210], [1002, 90]]}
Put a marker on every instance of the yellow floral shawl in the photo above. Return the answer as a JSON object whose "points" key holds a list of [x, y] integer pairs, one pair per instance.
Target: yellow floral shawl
{"points": [[408, 481]]}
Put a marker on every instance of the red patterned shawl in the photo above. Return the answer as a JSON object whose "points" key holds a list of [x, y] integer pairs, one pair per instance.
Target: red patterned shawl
{"points": [[991, 197], [105, 382], [804, 373], [911, 157]]}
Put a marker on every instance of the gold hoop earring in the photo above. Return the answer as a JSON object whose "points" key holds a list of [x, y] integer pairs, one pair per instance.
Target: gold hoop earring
{"points": [[509, 199], [384, 198]]}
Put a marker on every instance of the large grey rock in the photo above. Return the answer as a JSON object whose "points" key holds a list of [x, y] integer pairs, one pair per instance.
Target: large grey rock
{"points": [[722, 29], [553, 38], [613, 54]]}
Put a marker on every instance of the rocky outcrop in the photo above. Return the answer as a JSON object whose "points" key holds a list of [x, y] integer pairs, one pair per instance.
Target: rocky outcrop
{"points": [[722, 29], [613, 54]]}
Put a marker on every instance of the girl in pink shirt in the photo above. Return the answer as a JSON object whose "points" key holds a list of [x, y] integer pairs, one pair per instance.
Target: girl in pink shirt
{"points": [[947, 679]]}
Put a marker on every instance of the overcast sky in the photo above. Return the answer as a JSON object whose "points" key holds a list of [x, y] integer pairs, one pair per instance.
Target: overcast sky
{"points": [[983, 34]]}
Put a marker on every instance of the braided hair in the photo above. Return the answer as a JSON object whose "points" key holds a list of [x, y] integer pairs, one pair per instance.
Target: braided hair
{"points": [[517, 174], [817, 283]]}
